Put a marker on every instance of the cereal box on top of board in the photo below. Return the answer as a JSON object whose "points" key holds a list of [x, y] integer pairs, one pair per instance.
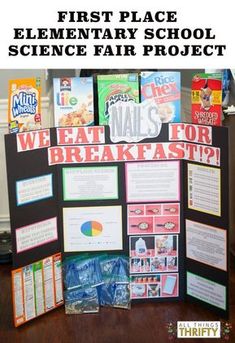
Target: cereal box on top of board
{"points": [[24, 105], [162, 89], [114, 88], [207, 99], [73, 101]]}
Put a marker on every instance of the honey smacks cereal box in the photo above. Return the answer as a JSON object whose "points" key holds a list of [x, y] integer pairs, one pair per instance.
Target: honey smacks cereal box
{"points": [[24, 105], [163, 89], [114, 88], [73, 101], [207, 99]]}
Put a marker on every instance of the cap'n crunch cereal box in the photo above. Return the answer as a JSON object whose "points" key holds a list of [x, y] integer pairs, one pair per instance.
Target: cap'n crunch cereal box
{"points": [[24, 105], [73, 101], [114, 88], [207, 99]]}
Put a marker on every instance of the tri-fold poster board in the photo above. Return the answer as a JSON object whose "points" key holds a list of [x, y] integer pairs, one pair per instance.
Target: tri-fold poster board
{"points": [[161, 197]]}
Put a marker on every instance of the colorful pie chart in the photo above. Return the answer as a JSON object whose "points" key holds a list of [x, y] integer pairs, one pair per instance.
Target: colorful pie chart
{"points": [[91, 228]]}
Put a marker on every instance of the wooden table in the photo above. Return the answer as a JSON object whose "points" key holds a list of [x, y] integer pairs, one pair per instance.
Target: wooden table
{"points": [[143, 323]]}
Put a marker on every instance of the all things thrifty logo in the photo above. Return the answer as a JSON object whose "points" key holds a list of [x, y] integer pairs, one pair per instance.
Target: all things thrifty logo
{"points": [[199, 329]]}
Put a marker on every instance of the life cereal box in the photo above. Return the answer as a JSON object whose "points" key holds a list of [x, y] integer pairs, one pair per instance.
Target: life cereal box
{"points": [[114, 88], [162, 89], [207, 99], [24, 105], [73, 101]]}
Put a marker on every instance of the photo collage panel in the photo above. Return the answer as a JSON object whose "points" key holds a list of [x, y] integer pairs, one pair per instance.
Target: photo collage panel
{"points": [[153, 231]]}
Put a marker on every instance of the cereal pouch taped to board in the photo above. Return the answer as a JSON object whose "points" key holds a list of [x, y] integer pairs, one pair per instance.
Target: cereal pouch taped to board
{"points": [[114, 88], [162, 89], [207, 99], [73, 101], [24, 107]]}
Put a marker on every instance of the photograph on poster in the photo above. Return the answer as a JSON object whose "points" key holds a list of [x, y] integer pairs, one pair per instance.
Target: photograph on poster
{"points": [[206, 290], [163, 264], [153, 265], [154, 246], [153, 290], [166, 224], [153, 209], [36, 234], [140, 225], [171, 209], [158, 264], [206, 244], [154, 286], [138, 291], [172, 263], [142, 246], [166, 245], [136, 210], [90, 183], [153, 218], [170, 287], [204, 189], [140, 265], [97, 228], [145, 286], [152, 181], [34, 189]]}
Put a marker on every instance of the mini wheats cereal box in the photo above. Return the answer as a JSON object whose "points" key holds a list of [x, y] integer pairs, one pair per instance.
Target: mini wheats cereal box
{"points": [[207, 99], [73, 101], [162, 89], [24, 105], [114, 88]]}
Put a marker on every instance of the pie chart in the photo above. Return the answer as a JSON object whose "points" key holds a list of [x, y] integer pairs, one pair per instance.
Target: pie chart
{"points": [[91, 228]]}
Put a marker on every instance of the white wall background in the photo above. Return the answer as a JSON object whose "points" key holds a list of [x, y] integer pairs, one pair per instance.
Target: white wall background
{"points": [[4, 212], [11, 74]]}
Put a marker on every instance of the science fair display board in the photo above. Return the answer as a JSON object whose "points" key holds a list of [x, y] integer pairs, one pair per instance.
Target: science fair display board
{"points": [[158, 193]]}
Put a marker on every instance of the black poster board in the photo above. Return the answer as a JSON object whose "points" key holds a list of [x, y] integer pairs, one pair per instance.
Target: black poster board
{"points": [[94, 156], [213, 229], [30, 165]]}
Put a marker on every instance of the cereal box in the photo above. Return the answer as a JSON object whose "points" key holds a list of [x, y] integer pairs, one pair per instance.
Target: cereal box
{"points": [[73, 101], [163, 90], [24, 107], [114, 88], [207, 99]]}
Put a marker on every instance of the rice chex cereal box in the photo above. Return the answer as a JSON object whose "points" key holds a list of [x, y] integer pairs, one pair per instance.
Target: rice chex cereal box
{"points": [[162, 89]]}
